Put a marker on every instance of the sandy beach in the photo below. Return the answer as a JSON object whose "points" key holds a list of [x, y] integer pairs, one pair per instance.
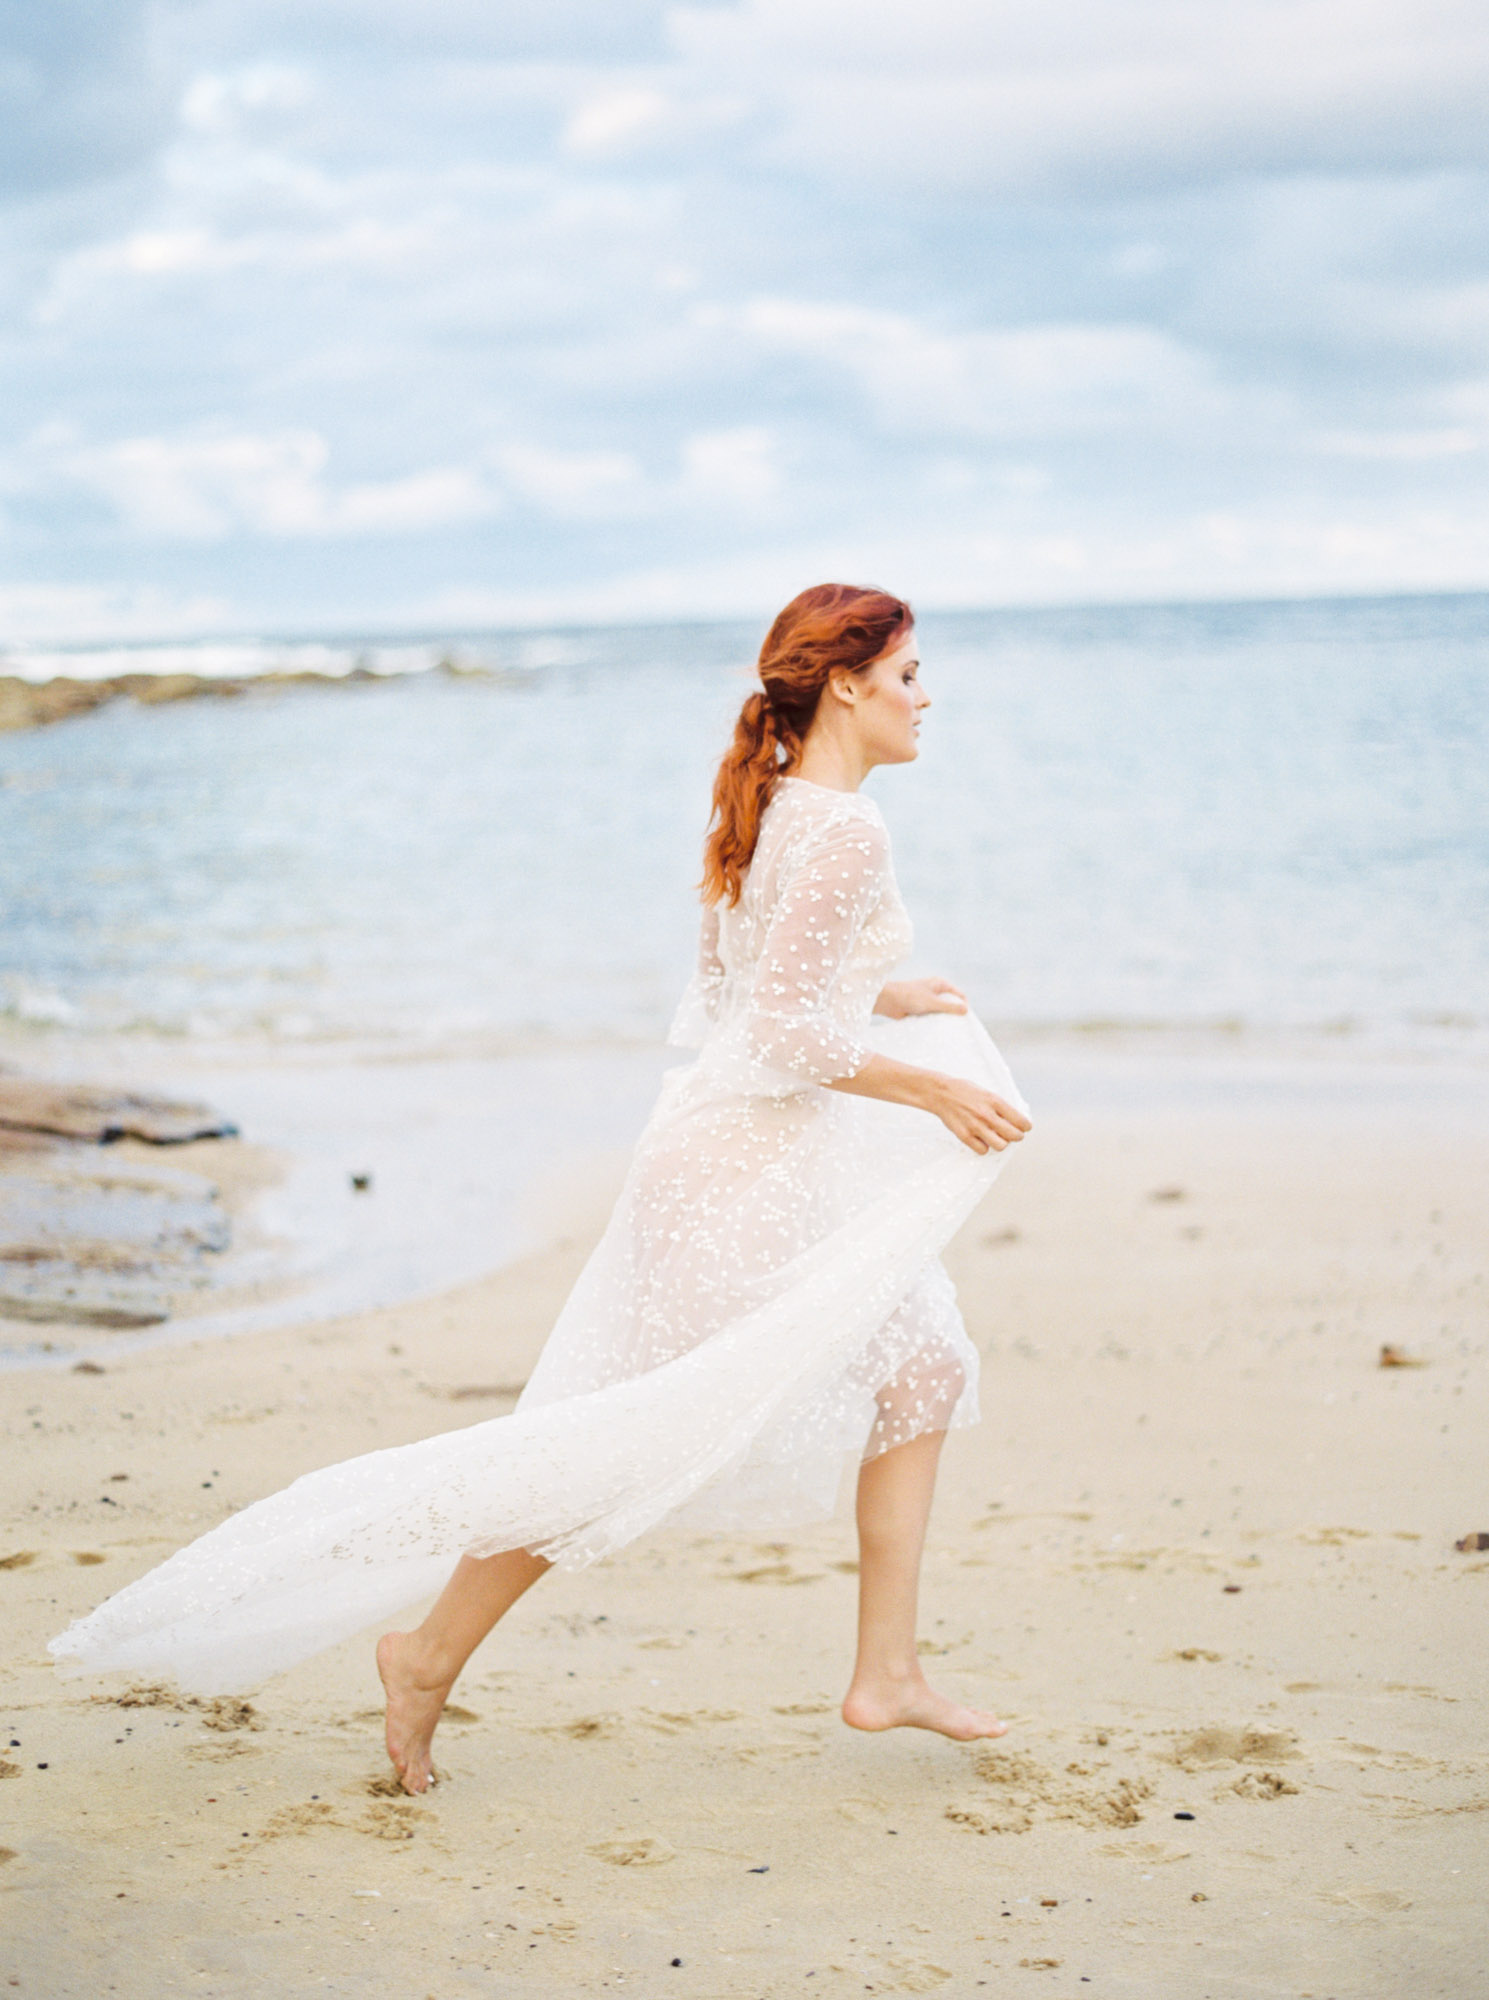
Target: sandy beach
{"points": [[1200, 1551]]}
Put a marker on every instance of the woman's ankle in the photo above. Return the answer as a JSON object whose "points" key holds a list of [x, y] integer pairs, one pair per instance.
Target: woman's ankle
{"points": [[423, 1661], [896, 1672]]}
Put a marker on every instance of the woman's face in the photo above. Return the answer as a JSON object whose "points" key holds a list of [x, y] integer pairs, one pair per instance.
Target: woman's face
{"points": [[889, 704]]}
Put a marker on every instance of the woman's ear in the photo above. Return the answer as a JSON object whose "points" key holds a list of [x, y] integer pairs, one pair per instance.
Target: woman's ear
{"points": [[843, 685]]}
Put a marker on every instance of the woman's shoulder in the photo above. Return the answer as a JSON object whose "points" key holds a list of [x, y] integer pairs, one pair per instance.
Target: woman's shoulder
{"points": [[812, 819], [813, 805]]}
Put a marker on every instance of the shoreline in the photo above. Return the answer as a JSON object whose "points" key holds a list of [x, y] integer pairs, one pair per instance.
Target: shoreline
{"points": [[472, 1160]]}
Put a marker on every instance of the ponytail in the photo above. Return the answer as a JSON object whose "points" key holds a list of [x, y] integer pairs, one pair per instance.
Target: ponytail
{"points": [[743, 788], [833, 625]]}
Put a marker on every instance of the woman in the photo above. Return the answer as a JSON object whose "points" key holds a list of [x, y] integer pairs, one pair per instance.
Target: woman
{"points": [[764, 1304]]}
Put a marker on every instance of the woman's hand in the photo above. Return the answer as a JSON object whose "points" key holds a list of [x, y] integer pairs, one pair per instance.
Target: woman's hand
{"points": [[977, 1117], [903, 997]]}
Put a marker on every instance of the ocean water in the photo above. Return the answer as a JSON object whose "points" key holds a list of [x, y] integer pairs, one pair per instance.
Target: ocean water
{"points": [[431, 926], [1263, 818]]}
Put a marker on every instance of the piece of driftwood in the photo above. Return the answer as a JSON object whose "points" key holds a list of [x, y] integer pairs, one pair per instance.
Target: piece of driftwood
{"points": [[73, 1111]]}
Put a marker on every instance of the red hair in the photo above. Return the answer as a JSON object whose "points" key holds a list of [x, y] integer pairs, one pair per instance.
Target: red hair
{"points": [[831, 626]]}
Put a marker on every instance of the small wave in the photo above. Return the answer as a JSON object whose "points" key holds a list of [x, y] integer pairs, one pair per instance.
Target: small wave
{"points": [[518, 654]]}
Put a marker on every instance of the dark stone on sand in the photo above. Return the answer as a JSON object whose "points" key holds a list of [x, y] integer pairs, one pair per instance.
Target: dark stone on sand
{"points": [[65, 1295], [78, 1111], [94, 1239]]}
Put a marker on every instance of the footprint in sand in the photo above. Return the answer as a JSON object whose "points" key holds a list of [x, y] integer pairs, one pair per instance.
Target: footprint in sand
{"points": [[9, 1770], [1260, 1785], [223, 1713], [1373, 1902], [643, 1850], [385, 1818], [777, 1572], [226, 1712], [1151, 1851], [669, 1722], [1222, 1745], [22, 1559], [222, 1750], [8, 1854], [586, 1728], [909, 1975], [86, 1558], [864, 1811], [1023, 1791]]}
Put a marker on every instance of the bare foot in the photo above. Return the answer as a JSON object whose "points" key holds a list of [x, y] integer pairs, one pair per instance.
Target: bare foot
{"points": [[914, 1704], [414, 1708]]}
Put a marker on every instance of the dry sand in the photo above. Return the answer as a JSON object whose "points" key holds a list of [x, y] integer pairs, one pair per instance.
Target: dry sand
{"points": [[1201, 1551]]}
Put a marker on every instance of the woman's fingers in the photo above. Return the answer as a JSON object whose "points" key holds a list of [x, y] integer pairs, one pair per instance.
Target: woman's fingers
{"points": [[991, 1125], [948, 999]]}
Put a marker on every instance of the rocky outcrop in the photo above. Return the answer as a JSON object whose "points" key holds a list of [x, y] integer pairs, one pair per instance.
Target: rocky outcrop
{"points": [[77, 1111], [32, 704], [91, 1238]]}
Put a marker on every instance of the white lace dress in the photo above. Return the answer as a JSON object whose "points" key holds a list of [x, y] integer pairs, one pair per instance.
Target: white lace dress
{"points": [[764, 1309]]}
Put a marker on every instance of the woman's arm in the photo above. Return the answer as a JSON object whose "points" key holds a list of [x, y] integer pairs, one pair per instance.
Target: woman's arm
{"points": [[699, 1005], [978, 1117], [831, 892]]}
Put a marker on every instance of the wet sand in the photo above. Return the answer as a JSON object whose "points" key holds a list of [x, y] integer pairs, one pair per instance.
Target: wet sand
{"points": [[1200, 1551]]}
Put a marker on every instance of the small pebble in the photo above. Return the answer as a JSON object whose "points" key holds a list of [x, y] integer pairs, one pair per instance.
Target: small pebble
{"points": [[1231, 1589], [759, 1871], [1199, 1896], [677, 1961], [1183, 1815]]}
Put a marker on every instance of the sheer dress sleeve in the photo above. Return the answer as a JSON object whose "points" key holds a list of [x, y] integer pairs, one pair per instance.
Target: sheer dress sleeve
{"points": [[699, 1007], [824, 903]]}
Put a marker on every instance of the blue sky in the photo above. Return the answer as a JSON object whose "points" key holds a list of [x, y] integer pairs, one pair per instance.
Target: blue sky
{"points": [[441, 313]]}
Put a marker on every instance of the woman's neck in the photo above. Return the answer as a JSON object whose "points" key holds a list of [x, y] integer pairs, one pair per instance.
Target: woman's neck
{"points": [[828, 760]]}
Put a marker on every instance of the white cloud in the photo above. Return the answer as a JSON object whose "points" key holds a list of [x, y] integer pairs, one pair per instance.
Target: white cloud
{"points": [[209, 485], [1449, 441], [735, 467], [1102, 94], [1058, 300], [1018, 383], [572, 485], [44, 613], [610, 121]]}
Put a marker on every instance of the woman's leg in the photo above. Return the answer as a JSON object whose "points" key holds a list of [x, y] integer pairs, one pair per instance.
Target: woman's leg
{"points": [[889, 1690], [419, 1668]]}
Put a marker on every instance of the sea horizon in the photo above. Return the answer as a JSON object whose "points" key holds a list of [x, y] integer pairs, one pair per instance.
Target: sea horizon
{"points": [[347, 643]]}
